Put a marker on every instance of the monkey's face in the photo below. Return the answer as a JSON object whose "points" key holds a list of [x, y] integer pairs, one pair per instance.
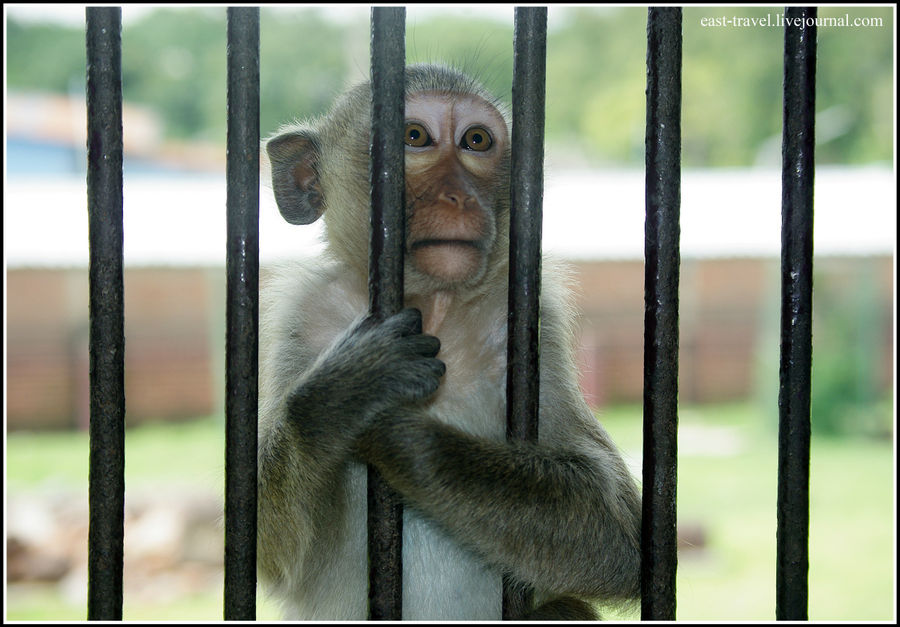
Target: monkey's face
{"points": [[457, 180], [456, 156]]}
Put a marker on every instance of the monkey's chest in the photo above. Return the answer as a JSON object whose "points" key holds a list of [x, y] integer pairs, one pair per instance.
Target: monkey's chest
{"points": [[472, 395], [441, 580]]}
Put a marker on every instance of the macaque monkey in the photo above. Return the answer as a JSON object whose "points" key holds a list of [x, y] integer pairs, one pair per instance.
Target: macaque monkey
{"points": [[421, 395]]}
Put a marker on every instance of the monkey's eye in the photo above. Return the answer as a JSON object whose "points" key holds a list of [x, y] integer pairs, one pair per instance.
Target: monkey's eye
{"points": [[476, 138], [416, 135]]}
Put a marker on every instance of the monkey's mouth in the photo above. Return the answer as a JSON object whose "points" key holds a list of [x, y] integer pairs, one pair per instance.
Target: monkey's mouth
{"points": [[448, 259], [445, 242]]}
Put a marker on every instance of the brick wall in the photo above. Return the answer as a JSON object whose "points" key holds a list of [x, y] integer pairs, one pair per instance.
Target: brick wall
{"points": [[169, 353], [175, 334]]}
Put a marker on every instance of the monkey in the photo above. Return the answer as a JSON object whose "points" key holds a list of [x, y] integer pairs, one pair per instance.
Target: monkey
{"points": [[420, 395]]}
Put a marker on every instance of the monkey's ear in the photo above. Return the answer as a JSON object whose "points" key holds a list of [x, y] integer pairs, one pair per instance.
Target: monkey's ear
{"points": [[295, 160]]}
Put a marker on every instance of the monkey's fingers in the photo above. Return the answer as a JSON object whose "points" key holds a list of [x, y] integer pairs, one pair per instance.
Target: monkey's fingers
{"points": [[437, 367], [406, 321], [424, 380], [367, 323], [423, 345]]}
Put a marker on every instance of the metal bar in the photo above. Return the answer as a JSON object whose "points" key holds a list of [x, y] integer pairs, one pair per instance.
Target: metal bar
{"points": [[798, 170], [242, 312], [526, 207], [107, 313], [662, 257], [388, 69]]}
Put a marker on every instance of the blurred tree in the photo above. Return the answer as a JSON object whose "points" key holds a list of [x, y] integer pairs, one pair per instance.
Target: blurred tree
{"points": [[44, 56], [303, 65], [732, 81], [480, 47], [595, 83], [855, 88], [174, 61], [849, 326], [733, 88]]}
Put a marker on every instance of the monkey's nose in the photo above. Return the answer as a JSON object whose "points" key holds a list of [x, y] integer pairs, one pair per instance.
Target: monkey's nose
{"points": [[455, 198]]}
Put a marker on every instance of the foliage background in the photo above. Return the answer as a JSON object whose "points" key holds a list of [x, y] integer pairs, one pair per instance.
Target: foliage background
{"points": [[174, 62]]}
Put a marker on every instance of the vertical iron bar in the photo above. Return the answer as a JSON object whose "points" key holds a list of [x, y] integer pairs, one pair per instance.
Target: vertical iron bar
{"points": [[662, 232], [526, 207], [388, 70], [107, 313], [242, 312], [798, 170]]}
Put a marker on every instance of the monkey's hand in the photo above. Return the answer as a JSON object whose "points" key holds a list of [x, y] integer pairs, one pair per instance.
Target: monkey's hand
{"points": [[373, 366]]}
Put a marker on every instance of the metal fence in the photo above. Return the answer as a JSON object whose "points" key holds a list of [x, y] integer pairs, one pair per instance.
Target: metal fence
{"points": [[663, 141]]}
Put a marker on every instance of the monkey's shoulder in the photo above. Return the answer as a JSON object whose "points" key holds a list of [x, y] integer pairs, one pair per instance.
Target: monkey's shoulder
{"points": [[307, 303]]}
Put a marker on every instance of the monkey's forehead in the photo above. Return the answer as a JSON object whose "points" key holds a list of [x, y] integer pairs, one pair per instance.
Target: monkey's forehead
{"points": [[442, 79], [453, 109]]}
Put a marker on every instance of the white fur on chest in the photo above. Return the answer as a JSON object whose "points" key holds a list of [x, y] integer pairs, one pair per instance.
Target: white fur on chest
{"points": [[441, 580]]}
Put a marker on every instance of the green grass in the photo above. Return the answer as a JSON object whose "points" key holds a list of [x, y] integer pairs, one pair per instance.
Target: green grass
{"points": [[727, 479], [851, 544], [188, 453], [44, 603]]}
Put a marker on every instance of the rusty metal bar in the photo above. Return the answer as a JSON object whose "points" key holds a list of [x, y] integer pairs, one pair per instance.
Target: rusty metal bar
{"points": [[662, 259], [388, 69], [526, 211], [242, 312], [798, 172], [107, 313]]}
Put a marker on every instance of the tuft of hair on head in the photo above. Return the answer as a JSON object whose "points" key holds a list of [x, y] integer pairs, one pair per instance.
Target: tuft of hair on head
{"points": [[445, 79]]}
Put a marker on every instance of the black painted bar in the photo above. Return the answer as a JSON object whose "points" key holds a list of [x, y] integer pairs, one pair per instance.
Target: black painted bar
{"points": [[107, 313], [661, 275], [798, 170], [242, 312], [385, 512], [107, 339], [526, 211]]}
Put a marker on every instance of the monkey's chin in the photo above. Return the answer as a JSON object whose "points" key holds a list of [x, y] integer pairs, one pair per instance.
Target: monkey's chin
{"points": [[449, 261]]}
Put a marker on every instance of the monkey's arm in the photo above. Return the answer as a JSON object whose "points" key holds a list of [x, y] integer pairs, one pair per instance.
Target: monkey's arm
{"points": [[562, 514], [565, 521]]}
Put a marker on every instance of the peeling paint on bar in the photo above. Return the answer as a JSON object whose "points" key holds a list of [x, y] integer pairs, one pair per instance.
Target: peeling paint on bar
{"points": [[798, 173], [107, 313], [526, 210], [385, 512], [242, 313], [662, 260]]}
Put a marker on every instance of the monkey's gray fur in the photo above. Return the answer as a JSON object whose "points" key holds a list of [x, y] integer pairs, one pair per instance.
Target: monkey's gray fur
{"points": [[339, 390]]}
